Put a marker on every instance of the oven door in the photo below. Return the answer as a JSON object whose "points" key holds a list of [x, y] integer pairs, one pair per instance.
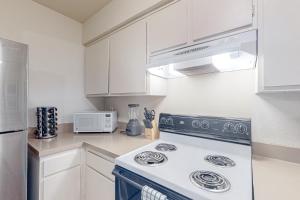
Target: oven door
{"points": [[128, 186]]}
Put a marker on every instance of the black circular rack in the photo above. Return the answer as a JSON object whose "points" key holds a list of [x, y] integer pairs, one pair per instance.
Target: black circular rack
{"points": [[46, 122]]}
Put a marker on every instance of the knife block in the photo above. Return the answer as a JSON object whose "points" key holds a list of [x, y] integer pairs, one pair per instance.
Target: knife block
{"points": [[152, 133]]}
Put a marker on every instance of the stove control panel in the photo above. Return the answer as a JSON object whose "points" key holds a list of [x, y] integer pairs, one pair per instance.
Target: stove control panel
{"points": [[218, 128]]}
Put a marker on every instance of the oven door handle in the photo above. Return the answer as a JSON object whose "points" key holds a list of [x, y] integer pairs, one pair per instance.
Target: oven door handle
{"points": [[118, 175]]}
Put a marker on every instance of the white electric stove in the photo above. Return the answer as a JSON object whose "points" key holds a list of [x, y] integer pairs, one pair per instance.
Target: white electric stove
{"points": [[201, 158]]}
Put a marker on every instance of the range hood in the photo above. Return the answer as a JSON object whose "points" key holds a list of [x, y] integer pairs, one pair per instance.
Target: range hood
{"points": [[235, 52]]}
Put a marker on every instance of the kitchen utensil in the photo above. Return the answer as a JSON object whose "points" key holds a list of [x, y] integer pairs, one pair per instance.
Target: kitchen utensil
{"points": [[149, 114]]}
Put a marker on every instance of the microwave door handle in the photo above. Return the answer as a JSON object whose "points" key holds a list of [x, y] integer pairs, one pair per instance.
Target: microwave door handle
{"points": [[136, 185]]}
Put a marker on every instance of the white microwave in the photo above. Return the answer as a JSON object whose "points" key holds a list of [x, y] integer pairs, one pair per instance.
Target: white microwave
{"points": [[95, 122]]}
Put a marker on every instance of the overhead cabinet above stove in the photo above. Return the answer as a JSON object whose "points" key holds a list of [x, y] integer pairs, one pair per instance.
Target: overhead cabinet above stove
{"points": [[187, 22], [212, 17], [191, 37], [168, 28]]}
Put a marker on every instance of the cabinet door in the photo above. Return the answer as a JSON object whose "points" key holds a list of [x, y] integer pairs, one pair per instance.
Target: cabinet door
{"points": [[63, 185], [98, 186], [128, 60], [168, 28], [96, 68], [280, 44], [211, 17]]}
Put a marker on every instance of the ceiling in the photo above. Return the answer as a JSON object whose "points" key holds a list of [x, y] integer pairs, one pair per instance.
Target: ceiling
{"points": [[80, 10]]}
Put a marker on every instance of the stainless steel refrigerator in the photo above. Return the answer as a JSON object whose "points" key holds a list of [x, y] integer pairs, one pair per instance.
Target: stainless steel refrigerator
{"points": [[13, 120]]}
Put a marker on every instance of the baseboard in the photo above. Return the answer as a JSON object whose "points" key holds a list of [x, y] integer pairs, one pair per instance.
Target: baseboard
{"points": [[289, 154]]}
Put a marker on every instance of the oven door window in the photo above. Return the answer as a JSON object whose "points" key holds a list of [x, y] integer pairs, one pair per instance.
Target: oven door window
{"points": [[128, 186], [125, 191]]}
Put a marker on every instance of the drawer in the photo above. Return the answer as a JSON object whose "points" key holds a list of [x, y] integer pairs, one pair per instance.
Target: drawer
{"points": [[61, 161], [101, 165]]}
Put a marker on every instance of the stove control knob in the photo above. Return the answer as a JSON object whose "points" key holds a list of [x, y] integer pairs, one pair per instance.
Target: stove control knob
{"points": [[170, 121], [241, 129], [204, 124], [163, 120], [228, 127], [196, 124]]}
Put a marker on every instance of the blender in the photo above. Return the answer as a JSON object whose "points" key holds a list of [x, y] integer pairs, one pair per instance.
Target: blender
{"points": [[134, 127]]}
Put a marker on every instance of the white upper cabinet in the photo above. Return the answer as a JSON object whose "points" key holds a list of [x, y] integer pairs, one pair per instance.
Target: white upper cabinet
{"points": [[128, 60], [212, 17], [279, 45], [168, 28], [115, 13], [97, 68]]}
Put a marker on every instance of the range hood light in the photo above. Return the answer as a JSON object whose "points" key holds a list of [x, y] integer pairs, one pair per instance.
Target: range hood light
{"points": [[238, 60], [235, 52], [165, 71], [1, 62]]}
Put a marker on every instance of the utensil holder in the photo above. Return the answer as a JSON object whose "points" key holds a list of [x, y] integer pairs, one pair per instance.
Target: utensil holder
{"points": [[152, 133]]}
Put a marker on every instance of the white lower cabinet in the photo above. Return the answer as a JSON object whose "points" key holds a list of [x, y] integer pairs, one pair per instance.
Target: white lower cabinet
{"points": [[99, 181], [78, 174], [63, 185], [98, 186], [55, 177]]}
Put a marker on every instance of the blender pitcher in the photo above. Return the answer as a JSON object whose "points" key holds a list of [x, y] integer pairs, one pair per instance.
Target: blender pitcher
{"points": [[134, 127]]}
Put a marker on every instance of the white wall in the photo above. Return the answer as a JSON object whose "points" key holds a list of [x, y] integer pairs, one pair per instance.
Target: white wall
{"points": [[275, 117], [55, 56]]}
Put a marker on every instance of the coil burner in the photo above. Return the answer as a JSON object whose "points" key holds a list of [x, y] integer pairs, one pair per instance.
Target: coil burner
{"points": [[166, 147], [220, 161], [210, 181], [150, 158]]}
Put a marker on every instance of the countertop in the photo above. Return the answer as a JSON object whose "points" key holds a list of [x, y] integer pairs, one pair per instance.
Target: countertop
{"points": [[273, 179], [111, 144]]}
